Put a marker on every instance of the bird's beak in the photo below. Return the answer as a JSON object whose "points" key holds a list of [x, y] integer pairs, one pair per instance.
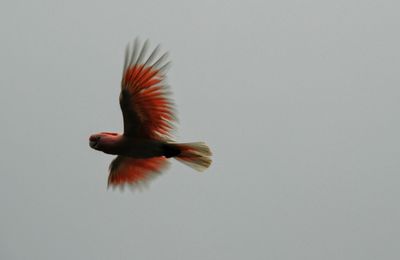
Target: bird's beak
{"points": [[93, 140], [93, 144]]}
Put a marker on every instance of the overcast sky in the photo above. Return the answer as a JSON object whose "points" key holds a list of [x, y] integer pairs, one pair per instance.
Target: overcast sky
{"points": [[299, 101]]}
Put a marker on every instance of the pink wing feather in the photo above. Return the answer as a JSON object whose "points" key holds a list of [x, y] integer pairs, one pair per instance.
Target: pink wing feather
{"points": [[133, 171], [147, 110]]}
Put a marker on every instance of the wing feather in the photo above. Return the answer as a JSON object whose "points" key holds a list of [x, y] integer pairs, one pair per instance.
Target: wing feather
{"points": [[135, 172], [147, 110]]}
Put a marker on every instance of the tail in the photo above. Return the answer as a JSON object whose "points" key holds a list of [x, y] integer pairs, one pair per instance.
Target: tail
{"points": [[195, 155]]}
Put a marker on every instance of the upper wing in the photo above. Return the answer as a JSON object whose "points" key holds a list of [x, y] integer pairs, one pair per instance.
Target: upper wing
{"points": [[133, 171], [146, 109]]}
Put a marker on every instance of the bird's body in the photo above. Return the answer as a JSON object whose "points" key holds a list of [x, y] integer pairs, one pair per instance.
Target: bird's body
{"points": [[118, 144], [142, 150]]}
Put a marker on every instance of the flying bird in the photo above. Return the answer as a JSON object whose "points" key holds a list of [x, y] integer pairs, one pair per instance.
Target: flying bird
{"points": [[146, 144]]}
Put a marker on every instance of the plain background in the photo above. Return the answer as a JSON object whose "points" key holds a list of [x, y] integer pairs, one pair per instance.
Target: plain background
{"points": [[299, 101]]}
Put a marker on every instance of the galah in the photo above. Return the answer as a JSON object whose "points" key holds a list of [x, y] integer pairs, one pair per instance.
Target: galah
{"points": [[146, 144]]}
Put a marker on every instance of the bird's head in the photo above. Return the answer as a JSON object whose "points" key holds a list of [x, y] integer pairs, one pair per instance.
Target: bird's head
{"points": [[100, 140]]}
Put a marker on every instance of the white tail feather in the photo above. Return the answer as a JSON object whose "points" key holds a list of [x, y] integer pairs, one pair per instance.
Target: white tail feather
{"points": [[195, 155]]}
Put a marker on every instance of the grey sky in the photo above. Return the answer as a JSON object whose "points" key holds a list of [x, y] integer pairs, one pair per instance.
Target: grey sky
{"points": [[299, 101]]}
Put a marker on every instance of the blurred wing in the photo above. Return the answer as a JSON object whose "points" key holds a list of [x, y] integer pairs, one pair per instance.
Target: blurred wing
{"points": [[146, 109], [135, 172]]}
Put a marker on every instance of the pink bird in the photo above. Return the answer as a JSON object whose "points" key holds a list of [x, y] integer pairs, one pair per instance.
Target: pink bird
{"points": [[146, 144]]}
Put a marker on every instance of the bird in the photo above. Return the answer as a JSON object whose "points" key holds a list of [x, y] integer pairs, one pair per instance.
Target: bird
{"points": [[144, 148]]}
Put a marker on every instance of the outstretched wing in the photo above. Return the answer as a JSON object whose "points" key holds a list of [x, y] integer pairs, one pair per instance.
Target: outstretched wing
{"points": [[134, 172], [146, 109]]}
